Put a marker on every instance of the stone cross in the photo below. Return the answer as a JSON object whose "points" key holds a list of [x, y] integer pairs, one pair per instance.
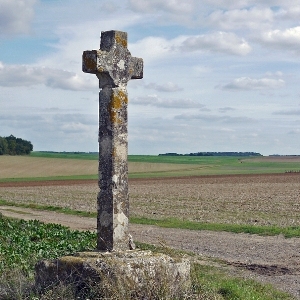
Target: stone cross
{"points": [[114, 67]]}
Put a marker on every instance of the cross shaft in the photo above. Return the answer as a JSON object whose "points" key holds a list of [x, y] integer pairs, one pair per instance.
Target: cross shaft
{"points": [[114, 66]]}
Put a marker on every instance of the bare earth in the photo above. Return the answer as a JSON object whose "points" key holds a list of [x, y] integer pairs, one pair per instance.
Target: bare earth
{"points": [[264, 199]]}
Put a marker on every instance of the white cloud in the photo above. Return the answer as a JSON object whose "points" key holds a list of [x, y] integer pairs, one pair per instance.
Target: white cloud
{"points": [[16, 16], [290, 13], [153, 48], [109, 7], [295, 112], [276, 74], [226, 109], [227, 129], [154, 100], [213, 118], [229, 4], [22, 75], [246, 83], [294, 131], [172, 6], [252, 18], [224, 42], [288, 39], [167, 87]]}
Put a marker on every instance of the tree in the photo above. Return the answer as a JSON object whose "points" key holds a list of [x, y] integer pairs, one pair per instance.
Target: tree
{"points": [[14, 146], [3, 146]]}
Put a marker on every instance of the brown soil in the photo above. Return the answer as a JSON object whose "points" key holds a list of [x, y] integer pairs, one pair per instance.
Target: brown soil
{"points": [[274, 260]]}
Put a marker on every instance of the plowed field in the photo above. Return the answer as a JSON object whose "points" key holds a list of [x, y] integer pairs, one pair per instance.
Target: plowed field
{"points": [[241, 199]]}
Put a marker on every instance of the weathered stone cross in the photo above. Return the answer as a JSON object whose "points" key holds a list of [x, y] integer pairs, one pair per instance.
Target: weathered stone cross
{"points": [[114, 67]]}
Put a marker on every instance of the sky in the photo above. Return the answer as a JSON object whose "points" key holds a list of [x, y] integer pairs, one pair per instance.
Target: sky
{"points": [[219, 75]]}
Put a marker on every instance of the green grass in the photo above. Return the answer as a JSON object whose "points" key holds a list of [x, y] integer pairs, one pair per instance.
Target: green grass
{"points": [[199, 160], [70, 155], [213, 281], [288, 232], [212, 165], [50, 178], [64, 210]]}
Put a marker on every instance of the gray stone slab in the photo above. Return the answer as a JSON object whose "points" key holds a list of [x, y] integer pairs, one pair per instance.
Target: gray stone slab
{"points": [[136, 271]]}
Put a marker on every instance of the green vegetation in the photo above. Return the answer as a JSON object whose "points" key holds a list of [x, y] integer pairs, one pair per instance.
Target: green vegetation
{"points": [[23, 243], [14, 146], [70, 155], [215, 165], [50, 178], [214, 154], [194, 160], [187, 165], [288, 232], [64, 210], [212, 281]]}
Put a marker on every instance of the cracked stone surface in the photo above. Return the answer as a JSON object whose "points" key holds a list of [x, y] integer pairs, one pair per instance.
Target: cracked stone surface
{"points": [[114, 67]]}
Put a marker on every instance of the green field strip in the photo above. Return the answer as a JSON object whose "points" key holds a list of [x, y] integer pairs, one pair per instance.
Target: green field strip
{"points": [[50, 178], [166, 166], [288, 232], [58, 209], [68, 155]]}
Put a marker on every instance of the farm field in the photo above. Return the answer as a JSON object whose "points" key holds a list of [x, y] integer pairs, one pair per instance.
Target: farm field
{"points": [[51, 166], [237, 199], [254, 199]]}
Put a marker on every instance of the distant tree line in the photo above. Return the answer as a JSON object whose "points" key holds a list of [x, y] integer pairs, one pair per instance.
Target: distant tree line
{"points": [[215, 154], [11, 145]]}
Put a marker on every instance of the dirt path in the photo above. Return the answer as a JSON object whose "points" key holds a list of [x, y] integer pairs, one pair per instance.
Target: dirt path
{"points": [[274, 260]]}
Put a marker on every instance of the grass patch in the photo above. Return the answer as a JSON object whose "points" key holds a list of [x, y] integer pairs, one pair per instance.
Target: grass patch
{"points": [[50, 178], [288, 232], [211, 281], [235, 228], [64, 210], [68, 155], [199, 160]]}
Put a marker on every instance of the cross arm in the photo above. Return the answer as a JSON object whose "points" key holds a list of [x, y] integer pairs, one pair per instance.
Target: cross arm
{"points": [[137, 68], [90, 61]]}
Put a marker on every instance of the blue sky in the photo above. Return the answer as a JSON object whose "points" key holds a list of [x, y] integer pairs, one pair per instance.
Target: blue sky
{"points": [[218, 75]]}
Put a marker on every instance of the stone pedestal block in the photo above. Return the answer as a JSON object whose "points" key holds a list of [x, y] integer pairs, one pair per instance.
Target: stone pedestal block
{"points": [[138, 270]]}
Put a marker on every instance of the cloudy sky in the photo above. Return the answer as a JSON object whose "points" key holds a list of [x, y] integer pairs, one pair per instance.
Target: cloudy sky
{"points": [[219, 75]]}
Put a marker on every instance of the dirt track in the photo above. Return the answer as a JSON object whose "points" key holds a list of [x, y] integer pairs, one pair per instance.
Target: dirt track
{"points": [[274, 260]]}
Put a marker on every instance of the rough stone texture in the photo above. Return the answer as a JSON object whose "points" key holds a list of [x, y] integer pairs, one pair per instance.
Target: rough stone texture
{"points": [[113, 63], [136, 268], [114, 67]]}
